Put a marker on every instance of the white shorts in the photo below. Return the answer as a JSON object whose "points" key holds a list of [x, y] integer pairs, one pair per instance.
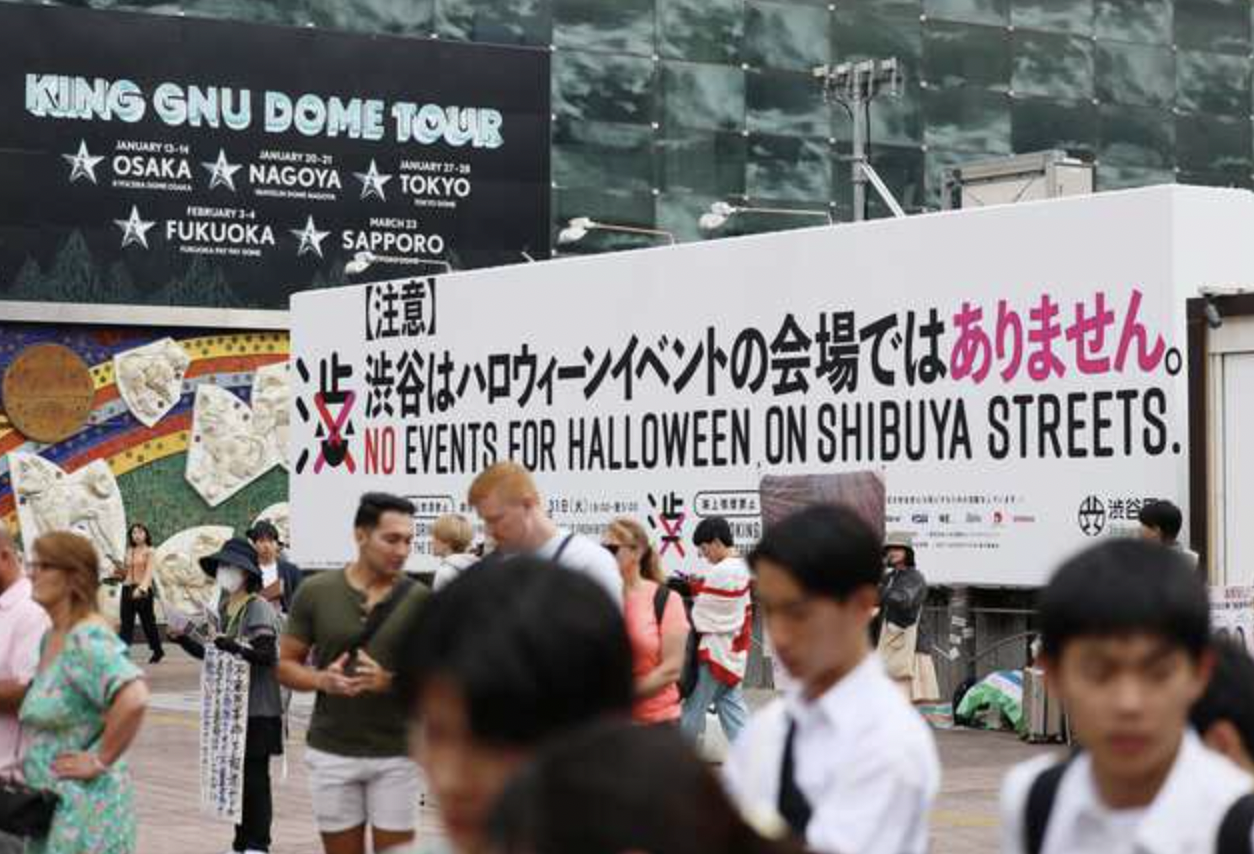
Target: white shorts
{"points": [[350, 791]]}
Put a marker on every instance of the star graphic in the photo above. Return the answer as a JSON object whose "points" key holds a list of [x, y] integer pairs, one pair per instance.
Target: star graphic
{"points": [[372, 182], [310, 238], [222, 173], [84, 163], [134, 229]]}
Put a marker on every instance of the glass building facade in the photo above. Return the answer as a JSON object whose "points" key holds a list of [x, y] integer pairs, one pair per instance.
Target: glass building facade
{"points": [[661, 107]]}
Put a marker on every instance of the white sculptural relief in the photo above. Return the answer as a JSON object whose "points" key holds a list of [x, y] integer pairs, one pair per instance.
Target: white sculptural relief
{"points": [[271, 398], [227, 450], [86, 502], [183, 585], [150, 378], [278, 516]]}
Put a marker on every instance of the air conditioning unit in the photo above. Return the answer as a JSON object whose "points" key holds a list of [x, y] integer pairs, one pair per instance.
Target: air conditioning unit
{"points": [[1022, 178]]}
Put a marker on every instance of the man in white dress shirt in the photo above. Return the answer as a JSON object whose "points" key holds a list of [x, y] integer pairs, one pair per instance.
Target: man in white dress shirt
{"points": [[842, 758], [1126, 633]]}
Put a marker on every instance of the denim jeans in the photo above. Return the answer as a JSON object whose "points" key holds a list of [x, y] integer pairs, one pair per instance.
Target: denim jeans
{"points": [[728, 701]]}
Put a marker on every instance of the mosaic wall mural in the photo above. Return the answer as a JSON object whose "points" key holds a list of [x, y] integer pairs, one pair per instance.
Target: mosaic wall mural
{"points": [[136, 440]]}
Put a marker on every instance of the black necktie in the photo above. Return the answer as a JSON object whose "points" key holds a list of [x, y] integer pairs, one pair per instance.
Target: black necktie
{"points": [[793, 805]]}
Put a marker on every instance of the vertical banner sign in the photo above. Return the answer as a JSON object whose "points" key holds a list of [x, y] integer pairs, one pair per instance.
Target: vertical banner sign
{"points": [[170, 160], [1016, 374], [224, 681]]}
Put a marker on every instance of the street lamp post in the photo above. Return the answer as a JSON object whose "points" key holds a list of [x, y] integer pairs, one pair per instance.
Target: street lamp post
{"points": [[363, 261], [854, 85]]}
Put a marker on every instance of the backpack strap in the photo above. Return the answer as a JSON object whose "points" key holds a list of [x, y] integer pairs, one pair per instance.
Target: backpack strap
{"points": [[1040, 804], [561, 549], [1237, 826], [660, 597], [381, 611]]}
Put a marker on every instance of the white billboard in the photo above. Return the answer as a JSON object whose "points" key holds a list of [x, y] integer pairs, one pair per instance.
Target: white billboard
{"points": [[1017, 373]]}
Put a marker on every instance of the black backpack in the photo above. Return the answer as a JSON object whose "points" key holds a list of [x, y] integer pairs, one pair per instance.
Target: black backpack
{"points": [[1234, 830], [688, 676]]}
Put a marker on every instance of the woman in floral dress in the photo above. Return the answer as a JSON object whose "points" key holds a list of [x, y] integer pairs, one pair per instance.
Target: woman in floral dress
{"points": [[83, 708]]}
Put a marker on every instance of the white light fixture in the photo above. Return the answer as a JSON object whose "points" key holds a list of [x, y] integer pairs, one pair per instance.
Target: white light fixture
{"points": [[577, 229], [720, 212], [363, 261]]}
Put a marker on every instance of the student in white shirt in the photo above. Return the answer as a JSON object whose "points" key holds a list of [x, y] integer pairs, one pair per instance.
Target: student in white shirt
{"points": [[1125, 643], [842, 758], [506, 499]]}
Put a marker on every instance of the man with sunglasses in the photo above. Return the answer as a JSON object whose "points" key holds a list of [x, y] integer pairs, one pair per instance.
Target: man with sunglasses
{"points": [[22, 626]]}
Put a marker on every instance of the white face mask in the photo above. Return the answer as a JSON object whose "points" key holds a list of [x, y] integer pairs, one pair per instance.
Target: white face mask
{"points": [[230, 579]]}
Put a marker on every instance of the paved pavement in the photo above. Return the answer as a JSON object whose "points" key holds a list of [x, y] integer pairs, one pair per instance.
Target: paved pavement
{"points": [[164, 765]]}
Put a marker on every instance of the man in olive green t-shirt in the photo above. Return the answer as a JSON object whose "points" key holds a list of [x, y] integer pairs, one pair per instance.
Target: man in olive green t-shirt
{"points": [[359, 770]]}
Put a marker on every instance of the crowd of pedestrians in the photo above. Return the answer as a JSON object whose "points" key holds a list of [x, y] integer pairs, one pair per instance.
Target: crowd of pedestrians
{"points": [[549, 697]]}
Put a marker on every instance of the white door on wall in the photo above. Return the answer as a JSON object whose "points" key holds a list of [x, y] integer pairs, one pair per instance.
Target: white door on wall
{"points": [[1232, 456], [1238, 451]]}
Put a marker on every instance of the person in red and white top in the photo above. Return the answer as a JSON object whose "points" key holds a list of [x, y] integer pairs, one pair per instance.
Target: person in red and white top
{"points": [[722, 615]]}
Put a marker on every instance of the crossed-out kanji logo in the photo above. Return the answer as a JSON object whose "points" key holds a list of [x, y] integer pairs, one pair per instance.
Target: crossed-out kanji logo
{"points": [[668, 516], [331, 415]]}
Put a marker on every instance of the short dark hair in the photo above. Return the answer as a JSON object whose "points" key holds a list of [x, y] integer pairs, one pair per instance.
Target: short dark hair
{"points": [[532, 648], [1162, 515], [1230, 694], [829, 549], [1125, 586], [263, 530], [597, 792], [374, 504], [713, 529]]}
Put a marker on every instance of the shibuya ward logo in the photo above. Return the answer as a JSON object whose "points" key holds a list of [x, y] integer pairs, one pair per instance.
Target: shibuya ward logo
{"points": [[1092, 516]]}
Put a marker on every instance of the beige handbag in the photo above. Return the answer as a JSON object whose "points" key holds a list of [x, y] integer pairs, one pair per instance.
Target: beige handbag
{"points": [[924, 688], [896, 648]]}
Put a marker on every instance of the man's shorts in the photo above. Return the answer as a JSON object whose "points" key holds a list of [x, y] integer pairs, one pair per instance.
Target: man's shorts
{"points": [[350, 791]]}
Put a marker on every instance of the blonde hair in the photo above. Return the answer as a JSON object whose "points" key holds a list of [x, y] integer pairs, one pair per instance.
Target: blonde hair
{"points": [[76, 557], [633, 533], [455, 531], [507, 480]]}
